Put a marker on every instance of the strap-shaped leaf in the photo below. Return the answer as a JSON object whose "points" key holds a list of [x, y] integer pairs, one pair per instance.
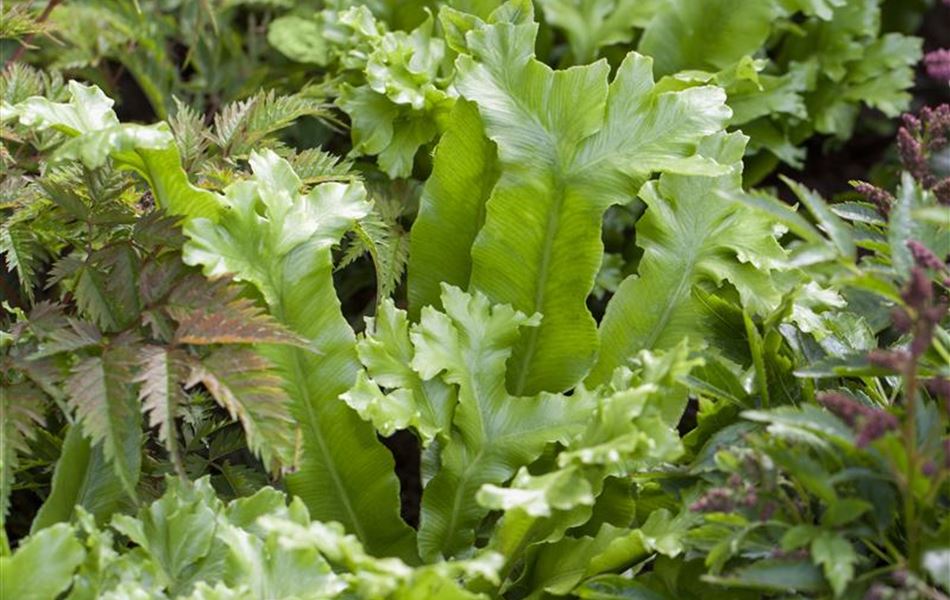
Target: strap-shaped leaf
{"points": [[493, 433], [280, 240], [452, 208], [82, 478], [569, 146], [96, 135], [690, 235]]}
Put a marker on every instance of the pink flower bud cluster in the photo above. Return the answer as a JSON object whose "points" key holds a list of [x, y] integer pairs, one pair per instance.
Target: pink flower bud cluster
{"points": [[918, 139], [882, 199], [735, 495], [937, 64], [868, 422]]}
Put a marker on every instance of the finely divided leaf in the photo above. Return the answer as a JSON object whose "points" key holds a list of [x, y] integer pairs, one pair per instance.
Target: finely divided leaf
{"points": [[245, 384], [101, 393], [21, 411]]}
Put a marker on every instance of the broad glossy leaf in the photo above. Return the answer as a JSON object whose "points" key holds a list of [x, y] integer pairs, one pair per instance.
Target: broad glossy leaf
{"points": [[178, 533], [592, 24], [493, 433], [42, 567], [82, 478], [706, 34], [558, 568], [627, 431], [775, 576], [569, 146], [691, 236], [369, 577], [268, 570], [616, 587], [403, 100], [280, 241], [298, 38], [452, 208], [387, 352]]}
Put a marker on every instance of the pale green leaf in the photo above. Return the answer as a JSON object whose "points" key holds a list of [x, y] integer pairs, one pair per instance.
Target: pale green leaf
{"points": [[280, 241], [569, 146], [386, 352], [593, 24], [493, 433], [43, 565], [96, 134], [452, 208], [178, 533], [706, 34], [690, 236]]}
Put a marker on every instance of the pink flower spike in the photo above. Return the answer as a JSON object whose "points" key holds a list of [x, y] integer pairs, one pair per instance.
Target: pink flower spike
{"points": [[938, 64]]}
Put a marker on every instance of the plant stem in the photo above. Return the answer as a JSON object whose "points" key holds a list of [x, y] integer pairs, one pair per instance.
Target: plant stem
{"points": [[18, 53], [910, 449]]}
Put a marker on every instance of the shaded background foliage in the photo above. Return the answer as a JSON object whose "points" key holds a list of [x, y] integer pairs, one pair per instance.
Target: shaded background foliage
{"points": [[802, 378]]}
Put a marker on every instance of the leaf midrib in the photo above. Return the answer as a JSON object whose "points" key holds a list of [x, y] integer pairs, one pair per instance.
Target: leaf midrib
{"points": [[313, 424], [531, 337], [313, 421]]}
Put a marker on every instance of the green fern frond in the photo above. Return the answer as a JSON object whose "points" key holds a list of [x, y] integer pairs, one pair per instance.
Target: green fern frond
{"points": [[229, 120], [22, 254], [19, 81], [21, 413], [380, 235], [101, 392], [189, 130], [315, 166], [214, 313], [244, 126], [247, 386]]}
